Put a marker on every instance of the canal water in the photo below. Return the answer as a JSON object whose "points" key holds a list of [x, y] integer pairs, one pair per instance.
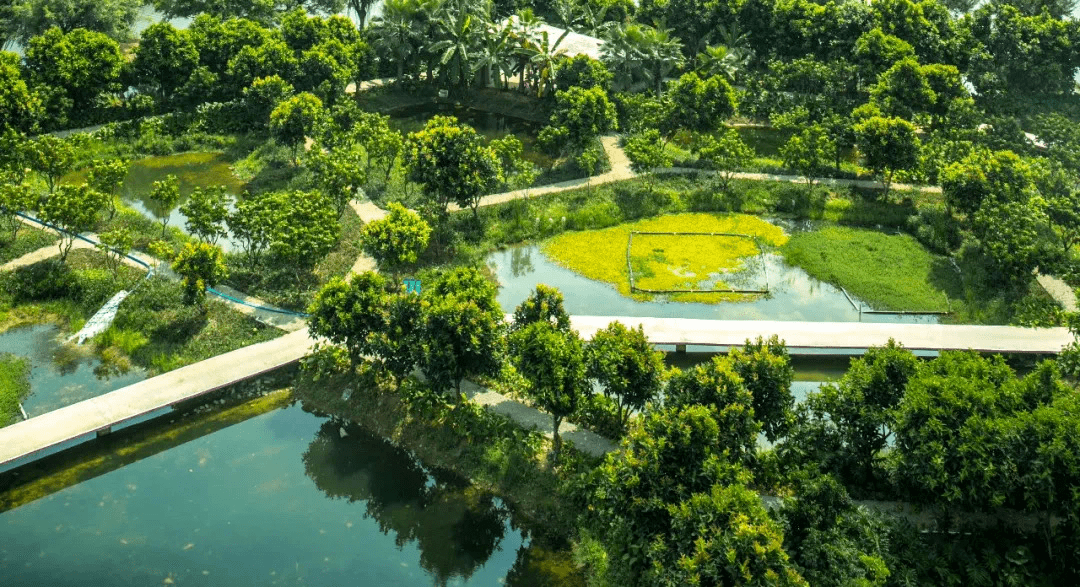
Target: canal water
{"points": [[60, 374], [794, 295], [284, 498]]}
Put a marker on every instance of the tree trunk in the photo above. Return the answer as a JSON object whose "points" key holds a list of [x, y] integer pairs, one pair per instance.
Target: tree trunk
{"points": [[556, 443]]}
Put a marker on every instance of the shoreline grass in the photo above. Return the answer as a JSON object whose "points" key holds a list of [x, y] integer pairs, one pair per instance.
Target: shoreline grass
{"points": [[887, 271], [14, 386]]}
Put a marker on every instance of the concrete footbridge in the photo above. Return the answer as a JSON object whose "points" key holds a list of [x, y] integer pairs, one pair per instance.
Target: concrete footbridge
{"points": [[25, 441]]}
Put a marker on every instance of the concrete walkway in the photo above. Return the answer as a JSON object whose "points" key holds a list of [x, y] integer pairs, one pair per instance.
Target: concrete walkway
{"points": [[367, 211], [53, 250], [620, 171], [837, 335], [1059, 290], [32, 437]]}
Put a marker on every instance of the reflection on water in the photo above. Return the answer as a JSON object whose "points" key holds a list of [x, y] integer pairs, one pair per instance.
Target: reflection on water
{"points": [[202, 170], [794, 295], [285, 498], [60, 374]]}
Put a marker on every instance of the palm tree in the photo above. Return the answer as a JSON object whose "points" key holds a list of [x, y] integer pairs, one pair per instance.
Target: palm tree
{"points": [[494, 53], [544, 58], [722, 60], [523, 31], [395, 31], [660, 53]]}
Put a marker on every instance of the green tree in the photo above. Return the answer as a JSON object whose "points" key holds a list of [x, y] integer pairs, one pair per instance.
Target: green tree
{"points": [[51, 157], [294, 119], [583, 72], [515, 170], [876, 52], [396, 241], [544, 304], [15, 196], [725, 154], [646, 151], [846, 427], [888, 145], [370, 321], [666, 507], [451, 162], [115, 245], [808, 153], [263, 96], [1017, 237], [304, 229], [264, 11], [110, 17], [585, 114], [206, 211], [832, 542], [20, 108], [766, 372], [202, 265], [70, 71], [697, 105], [165, 195], [252, 224], [73, 209], [461, 330], [982, 175], [625, 364], [164, 60], [718, 386], [903, 90], [107, 176], [552, 361]]}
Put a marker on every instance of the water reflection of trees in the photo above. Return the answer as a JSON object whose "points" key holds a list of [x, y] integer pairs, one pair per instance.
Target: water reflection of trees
{"points": [[455, 526], [521, 261]]}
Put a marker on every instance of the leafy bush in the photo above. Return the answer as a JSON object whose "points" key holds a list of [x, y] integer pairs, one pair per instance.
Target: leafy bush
{"points": [[935, 229], [48, 280]]}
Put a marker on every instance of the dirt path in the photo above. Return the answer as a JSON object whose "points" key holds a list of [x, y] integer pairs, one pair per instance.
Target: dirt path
{"points": [[859, 183]]}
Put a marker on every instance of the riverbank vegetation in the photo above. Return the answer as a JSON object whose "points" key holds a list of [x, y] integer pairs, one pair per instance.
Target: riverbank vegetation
{"points": [[14, 386]]}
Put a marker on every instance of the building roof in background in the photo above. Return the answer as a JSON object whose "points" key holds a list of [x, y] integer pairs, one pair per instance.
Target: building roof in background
{"points": [[573, 44]]}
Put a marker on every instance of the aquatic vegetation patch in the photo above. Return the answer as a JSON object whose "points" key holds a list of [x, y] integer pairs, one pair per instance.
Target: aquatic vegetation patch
{"points": [[887, 271], [14, 386], [666, 262]]}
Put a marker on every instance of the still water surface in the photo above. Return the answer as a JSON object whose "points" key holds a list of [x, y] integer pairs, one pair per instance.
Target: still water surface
{"points": [[794, 294], [60, 375], [285, 498]]}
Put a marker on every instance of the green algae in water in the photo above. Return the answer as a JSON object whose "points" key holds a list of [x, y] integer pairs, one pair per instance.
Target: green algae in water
{"points": [[193, 170]]}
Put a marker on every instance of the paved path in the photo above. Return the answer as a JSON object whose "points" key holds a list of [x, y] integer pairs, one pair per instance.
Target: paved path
{"points": [[1059, 290], [368, 212], [838, 335], [53, 250], [584, 440], [286, 322], [859, 183], [620, 171], [33, 436]]}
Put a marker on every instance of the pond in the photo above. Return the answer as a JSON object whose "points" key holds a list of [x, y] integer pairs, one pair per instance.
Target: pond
{"points": [[794, 295], [60, 374], [488, 124], [284, 498]]}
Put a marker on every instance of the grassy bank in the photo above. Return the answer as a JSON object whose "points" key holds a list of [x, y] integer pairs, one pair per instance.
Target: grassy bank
{"points": [[14, 386], [666, 262], [887, 271], [28, 240]]}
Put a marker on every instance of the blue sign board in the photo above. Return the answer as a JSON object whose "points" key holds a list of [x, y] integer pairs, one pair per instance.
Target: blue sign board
{"points": [[412, 286]]}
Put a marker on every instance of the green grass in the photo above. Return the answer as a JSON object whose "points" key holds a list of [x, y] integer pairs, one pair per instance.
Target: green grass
{"points": [[28, 240], [155, 330], [665, 262], [14, 386], [888, 272]]}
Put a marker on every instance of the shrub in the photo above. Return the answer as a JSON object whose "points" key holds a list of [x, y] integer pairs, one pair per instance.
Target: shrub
{"points": [[935, 229]]}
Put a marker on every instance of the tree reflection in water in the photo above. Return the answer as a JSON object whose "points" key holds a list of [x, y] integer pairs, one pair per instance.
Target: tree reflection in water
{"points": [[456, 526]]}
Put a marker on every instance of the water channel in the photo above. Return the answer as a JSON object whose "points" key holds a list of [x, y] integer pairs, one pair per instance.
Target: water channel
{"points": [[284, 498]]}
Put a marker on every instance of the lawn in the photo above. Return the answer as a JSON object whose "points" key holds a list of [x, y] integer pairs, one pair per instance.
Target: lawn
{"points": [[887, 271], [29, 239], [666, 262]]}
